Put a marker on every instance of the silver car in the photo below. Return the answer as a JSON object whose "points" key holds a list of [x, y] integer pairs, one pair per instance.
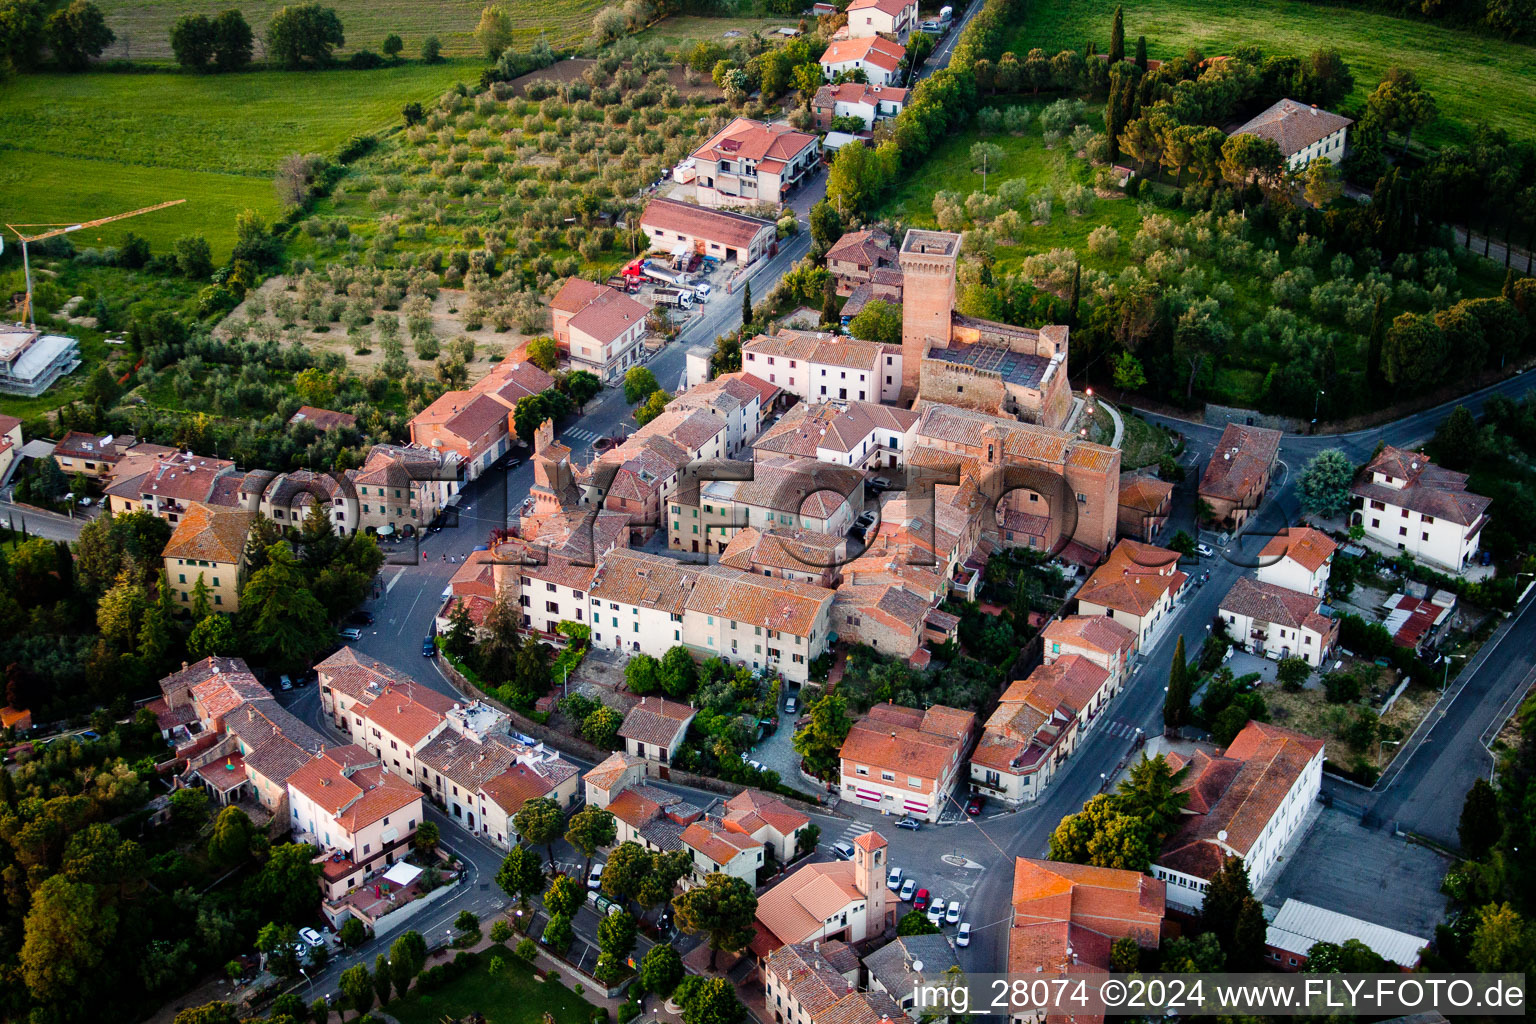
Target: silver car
{"points": [[952, 913], [908, 887]]}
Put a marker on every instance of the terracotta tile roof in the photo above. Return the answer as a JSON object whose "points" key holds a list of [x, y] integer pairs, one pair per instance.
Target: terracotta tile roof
{"points": [[799, 906], [751, 810], [1071, 680], [712, 839], [1269, 759], [470, 416], [1133, 578], [809, 976], [915, 743], [355, 792], [1057, 905], [322, 419], [894, 964], [862, 1008], [771, 145], [607, 774], [766, 391], [722, 396], [974, 430], [178, 476], [363, 679], [1144, 493], [803, 551], [641, 579], [277, 759], [691, 429], [816, 347], [575, 293], [804, 487], [837, 426], [1265, 602], [515, 787], [786, 606], [398, 714], [1294, 126], [211, 534], [256, 721], [735, 230], [221, 694], [657, 720], [871, 246], [190, 675], [606, 316], [1243, 458], [1427, 489], [1098, 632], [876, 50], [1309, 548], [464, 761], [631, 807]]}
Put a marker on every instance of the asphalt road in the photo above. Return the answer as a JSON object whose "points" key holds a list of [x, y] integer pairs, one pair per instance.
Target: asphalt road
{"points": [[37, 523]]}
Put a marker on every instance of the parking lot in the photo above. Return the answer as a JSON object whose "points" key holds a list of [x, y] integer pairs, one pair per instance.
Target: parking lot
{"points": [[1367, 873]]}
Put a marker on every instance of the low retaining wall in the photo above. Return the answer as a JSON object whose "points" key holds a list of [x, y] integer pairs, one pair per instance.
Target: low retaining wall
{"points": [[1221, 415], [395, 918]]}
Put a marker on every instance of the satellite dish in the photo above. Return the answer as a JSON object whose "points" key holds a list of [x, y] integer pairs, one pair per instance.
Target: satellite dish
{"points": [[917, 965], [1221, 836]]}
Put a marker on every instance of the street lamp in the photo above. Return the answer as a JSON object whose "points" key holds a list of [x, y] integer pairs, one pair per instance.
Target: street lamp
{"points": [[1315, 400], [1445, 677]]}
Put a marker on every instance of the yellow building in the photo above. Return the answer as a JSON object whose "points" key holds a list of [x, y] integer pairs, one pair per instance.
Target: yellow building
{"points": [[209, 544]]}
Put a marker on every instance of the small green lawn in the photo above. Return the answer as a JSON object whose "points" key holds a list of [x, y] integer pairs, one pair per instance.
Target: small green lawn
{"points": [[1474, 77], [511, 996], [672, 32], [93, 145], [1143, 444], [143, 27]]}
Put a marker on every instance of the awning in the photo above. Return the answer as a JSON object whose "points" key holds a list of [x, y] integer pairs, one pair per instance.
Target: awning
{"points": [[386, 529], [916, 808], [402, 874], [866, 794]]}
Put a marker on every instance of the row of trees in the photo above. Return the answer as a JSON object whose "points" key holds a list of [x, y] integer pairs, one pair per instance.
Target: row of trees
{"points": [[32, 33]]}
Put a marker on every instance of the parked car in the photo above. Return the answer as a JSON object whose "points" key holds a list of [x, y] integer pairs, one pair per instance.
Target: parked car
{"points": [[360, 618], [311, 938], [842, 850], [952, 912], [790, 705], [1204, 550], [86, 501], [963, 936], [910, 824], [908, 887], [595, 877], [893, 880], [974, 805], [936, 912], [350, 633], [880, 483], [428, 648], [920, 901], [284, 683]]}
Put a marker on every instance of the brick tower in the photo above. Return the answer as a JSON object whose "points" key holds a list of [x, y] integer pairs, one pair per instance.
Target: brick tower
{"points": [[927, 261], [870, 866]]}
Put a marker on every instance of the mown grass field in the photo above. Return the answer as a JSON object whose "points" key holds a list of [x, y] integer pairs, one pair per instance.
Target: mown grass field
{"points": [[1473, 77], [143, 27], [511, 995], [673, 32], [85, 146]]}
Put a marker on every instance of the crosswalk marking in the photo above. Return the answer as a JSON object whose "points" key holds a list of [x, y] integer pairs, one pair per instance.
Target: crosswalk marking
{"points": [[1120, 729], [581, 434]]}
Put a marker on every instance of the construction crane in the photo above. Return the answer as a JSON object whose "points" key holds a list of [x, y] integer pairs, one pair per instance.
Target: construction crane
{"points": [[64, 229]]}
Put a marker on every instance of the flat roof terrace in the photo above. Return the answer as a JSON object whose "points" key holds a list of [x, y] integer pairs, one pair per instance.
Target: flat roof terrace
{"points": [[1014, 367]]}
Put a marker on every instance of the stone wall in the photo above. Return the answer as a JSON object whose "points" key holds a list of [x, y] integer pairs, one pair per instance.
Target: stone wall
{"points": [[963, 386], [1221, 415]]}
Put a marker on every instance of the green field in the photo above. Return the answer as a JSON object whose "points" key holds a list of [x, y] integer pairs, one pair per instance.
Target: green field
{"points": [[1473, 77], [673, 32], [511, 996], [143, 27], [82, 146]]}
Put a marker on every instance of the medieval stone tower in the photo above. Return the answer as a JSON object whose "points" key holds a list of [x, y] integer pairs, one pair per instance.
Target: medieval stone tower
{"points": [[869, 862], [928, 260]]}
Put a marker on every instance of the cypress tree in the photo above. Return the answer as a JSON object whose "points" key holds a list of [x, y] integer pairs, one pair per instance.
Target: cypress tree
{"points": [[1373, 352], [1176, 703], [1141, 53], [1117, 38], [829, 304], [746, 305], [1077, 285]]}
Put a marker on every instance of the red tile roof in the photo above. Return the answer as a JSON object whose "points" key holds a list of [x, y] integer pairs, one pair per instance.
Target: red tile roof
{"points": [[876, 50], [1243, 458], [1307, 547], [1133, 578], [736, 230], [1294, 126]]}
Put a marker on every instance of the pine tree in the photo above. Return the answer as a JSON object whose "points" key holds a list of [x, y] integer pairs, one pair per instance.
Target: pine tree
{"points": [[1508, 291], [1176, 703], [1141, 53], [1117, 38], [746, 305], [1480, 825], [1230, 912]]}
